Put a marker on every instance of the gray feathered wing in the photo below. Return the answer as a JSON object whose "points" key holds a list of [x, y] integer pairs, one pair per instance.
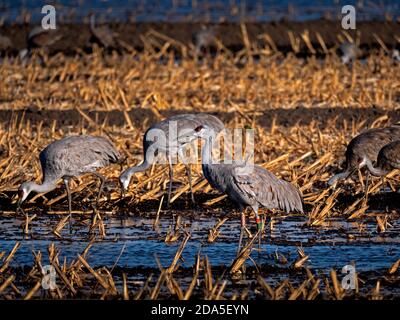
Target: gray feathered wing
{"points": [[263, 186], [76, 155]]}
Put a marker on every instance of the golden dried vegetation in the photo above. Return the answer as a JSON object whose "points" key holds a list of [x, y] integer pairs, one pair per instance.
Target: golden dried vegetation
{"points": [[303, 110]]}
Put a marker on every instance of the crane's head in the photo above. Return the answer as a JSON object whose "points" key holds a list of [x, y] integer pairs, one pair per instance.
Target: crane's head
{"points": [[24, 190], [203, 131]]}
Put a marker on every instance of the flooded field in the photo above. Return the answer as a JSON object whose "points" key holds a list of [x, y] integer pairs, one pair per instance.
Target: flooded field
{"points": [[132, 242], [293, 91], [136, 247]]}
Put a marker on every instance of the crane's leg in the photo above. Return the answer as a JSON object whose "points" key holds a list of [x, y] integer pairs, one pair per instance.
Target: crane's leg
{"points": [[102, 181], [366, 186], [242, 229], [383, 181], [66, 183], [188, 173], [260, 226], [20, 210], [171, 177]]}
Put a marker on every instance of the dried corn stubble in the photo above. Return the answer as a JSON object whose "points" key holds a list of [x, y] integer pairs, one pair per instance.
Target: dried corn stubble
{"points": [[168, 283], [214, 232], [243, 255], [306, 153], [174, 231], [394, 267]]}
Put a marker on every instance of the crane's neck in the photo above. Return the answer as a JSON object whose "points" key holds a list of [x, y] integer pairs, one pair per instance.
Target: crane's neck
{"points": [[141, 167], [339, 176], [92, 22], [376, 171], [46, 186], [206, 154]]}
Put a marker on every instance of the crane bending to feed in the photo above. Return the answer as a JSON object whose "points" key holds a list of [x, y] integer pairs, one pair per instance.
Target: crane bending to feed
{"points": [[168, 145], [247, 184], [388, 160], [364, 148], [71, 157]]}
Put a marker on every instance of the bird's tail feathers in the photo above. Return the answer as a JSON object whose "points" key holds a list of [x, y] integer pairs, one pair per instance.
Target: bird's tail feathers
{"points": [[293, 198]]}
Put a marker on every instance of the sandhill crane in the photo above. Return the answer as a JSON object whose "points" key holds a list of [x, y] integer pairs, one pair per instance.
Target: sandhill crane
{"points": [[365, 147], [70, 157], [102, 34], [388, 160], [396, 55], [39, 38], [5, 43], [204, 39], [350, 52], [247, 184], [184, 123]]}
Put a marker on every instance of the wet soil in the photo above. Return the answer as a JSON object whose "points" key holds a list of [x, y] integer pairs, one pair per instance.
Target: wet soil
{"points": [[130, 232], [284, 117], [132, 246]]}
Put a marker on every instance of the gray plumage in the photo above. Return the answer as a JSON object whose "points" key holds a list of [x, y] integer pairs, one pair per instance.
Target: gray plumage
{"points": [[76, 155], [70, 157], [185, 123], [204, 39], [350, 52], [103, 34], [396, 55], [388, 160], [5, 43], [254, 186], [365, 147], [247, 184], [39, 38]]}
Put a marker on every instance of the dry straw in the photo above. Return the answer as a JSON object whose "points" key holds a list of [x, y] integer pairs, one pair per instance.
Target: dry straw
{"points": [[119, 96]]}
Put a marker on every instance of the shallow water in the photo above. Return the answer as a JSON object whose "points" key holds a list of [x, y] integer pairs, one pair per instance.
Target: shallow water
{"points": [[132, 242]]}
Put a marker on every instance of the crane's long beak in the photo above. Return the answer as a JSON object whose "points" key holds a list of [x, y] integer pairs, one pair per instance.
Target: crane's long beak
{"points": [[186, 138], [19, 208], [122, 189]]}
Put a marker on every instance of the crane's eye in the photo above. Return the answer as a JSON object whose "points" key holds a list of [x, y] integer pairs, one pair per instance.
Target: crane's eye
{"points": [[198, 128]]}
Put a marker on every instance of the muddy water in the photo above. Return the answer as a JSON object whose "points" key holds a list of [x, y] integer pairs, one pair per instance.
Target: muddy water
{"points": [[131, 242]]}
